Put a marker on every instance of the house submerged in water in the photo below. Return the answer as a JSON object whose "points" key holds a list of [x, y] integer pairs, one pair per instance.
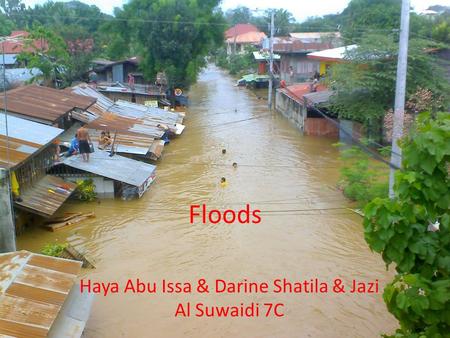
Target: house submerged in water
{"points": [[301, 104], [113, 176], [38, 120]]}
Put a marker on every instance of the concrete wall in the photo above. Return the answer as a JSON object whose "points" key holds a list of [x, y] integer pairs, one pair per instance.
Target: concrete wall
{"points": [[349, 131], [7, 230], [297, 114], [291, 109]]}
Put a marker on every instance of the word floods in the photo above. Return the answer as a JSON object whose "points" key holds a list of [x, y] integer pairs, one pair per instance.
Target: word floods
{"points": [[229, 216]]}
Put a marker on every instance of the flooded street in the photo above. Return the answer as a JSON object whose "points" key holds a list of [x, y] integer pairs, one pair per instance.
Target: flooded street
{"points": [[306, 231]]}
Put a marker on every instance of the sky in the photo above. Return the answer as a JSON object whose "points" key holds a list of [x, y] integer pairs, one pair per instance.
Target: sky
{"points": [[301, 9]]}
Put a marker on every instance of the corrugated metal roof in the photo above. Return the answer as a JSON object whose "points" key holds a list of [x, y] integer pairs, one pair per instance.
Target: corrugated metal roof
{"points": [[46, 196], [125, 142], [25, 138], [315, 35], [318, 97], [33, 289], [264, 56], [117, 167], [10, 59], [20, 75], [126, 125], [43, 103], [149, 117], [332, 54], [299, 90], [158, 115], [294, 45]]}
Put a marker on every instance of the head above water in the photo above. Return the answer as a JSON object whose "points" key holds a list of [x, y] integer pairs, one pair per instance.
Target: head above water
{"points": [[234, 165], [224, 151], [223, 180]]}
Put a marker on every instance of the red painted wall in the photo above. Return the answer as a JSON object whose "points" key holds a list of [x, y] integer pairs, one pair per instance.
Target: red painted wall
{"points": [[320, 127]]}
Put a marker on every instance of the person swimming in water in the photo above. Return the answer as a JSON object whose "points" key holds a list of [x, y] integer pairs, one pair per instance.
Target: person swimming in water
{"points": [[223, 182]]}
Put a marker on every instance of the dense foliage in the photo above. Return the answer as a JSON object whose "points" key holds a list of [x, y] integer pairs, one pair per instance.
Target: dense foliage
{"points": [[50, 57], [361, 179], [173, 36], [53, 249], [413, 232], [86, 190], [365, 87], [284, 20], [236, 64], [363, 17]]}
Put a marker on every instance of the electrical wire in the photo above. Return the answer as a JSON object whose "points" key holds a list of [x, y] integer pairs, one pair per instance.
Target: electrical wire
{"points": [[374, 154]]}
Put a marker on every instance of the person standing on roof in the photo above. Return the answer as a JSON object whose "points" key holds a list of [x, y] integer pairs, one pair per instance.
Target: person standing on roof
{"points": [[84, 140]]}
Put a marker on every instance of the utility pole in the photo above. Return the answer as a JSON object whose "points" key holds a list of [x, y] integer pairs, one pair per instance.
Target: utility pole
{"points": [[234, 42], [400, 93], [272, 28], [7, 228]]}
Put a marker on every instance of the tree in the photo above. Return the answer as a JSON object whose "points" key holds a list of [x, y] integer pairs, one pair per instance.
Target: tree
{"points": [[365, 84], [11, 7], [115, 44], [283, 21], [239, 14], [326, 23], [14, 11], [441, 32], [46, 51], [173, 36], [6, 25], [58, 15], [413, 231], [362, 16]]}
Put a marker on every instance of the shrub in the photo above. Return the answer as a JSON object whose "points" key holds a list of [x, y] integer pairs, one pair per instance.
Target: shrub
{"points": [[361, 179], [86, 190], [53, 249], [412, 230]]}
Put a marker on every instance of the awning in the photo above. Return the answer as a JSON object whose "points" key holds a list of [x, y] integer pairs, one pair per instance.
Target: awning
{"points": [[46, 196]]}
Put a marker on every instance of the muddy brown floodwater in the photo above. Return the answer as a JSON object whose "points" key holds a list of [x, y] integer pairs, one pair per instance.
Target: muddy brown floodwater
{"points": [[305, 232]]}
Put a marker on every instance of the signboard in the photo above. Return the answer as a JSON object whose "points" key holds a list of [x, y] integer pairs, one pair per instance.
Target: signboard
{"points": [[151, 103]]}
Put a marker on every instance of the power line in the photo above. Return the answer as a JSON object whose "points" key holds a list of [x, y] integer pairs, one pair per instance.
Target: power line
{"points": [[111, 19], [358, 142]]}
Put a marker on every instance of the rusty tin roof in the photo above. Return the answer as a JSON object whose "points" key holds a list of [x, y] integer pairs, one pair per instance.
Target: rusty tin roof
{"points": [[33, 289], [43, 103], [25, 139], [46, 196]]}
